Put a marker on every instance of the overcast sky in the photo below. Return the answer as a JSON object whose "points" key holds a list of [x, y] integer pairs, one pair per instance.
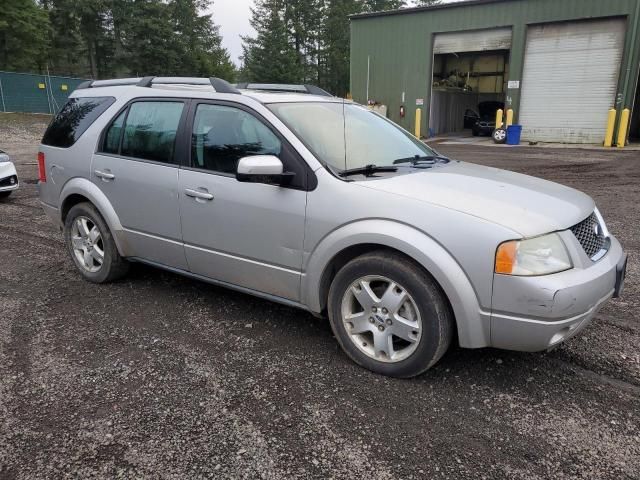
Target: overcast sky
{"points": [[233, 18]]}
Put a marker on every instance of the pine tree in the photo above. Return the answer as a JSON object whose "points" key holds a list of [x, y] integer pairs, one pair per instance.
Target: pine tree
{"points": [[303, 29], [383, 5], [270, 57], [24, 28], [335, 40], [198, 42], [425, 3]]}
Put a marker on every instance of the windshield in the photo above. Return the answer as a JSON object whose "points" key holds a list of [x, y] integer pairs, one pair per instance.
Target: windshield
{"points": [[347, 136]]}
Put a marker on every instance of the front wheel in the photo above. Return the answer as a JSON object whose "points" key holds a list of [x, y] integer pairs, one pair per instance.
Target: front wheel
{"points": [[389, 315], [91, 245], [5, 194]]}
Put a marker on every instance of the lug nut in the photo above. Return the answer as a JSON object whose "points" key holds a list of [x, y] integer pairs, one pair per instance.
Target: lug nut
{"points": [[381, 328], [389, 322], [371, 320], [384, 310], [374, 309]]}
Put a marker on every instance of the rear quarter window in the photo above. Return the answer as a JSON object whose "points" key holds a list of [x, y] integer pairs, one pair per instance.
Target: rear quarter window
{"points": [[72, 121]]}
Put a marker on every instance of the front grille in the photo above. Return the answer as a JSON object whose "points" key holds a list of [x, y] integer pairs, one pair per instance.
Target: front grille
{"points": [[9, 181], [591, 235]]}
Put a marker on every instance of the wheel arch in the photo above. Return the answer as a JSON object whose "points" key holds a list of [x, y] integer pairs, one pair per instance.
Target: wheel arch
{"points": [[78, 190], [353, 240]]}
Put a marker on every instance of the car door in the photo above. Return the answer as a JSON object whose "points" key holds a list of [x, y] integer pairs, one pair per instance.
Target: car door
{"points": [[245, 234], [137, 166]]}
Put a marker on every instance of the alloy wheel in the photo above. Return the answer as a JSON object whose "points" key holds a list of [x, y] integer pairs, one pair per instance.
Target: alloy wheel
{"points": [[381, 318], [87, 244]]}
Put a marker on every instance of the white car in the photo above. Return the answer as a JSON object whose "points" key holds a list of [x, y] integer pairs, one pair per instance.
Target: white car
{"points": [[8, 176]]}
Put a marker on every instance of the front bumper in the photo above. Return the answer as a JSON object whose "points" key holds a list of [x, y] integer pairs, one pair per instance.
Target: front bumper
{"points": [[8, 177], [535, 313]]}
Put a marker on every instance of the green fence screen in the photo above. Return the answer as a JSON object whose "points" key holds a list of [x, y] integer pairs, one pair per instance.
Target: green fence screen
{"points": [[30, 93]]}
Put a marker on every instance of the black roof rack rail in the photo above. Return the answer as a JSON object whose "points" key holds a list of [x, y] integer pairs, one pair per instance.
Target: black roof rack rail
{"points": [[315, 90], [146, 82], [222, 86], [219, 85], [284, 88], [85, 84]]}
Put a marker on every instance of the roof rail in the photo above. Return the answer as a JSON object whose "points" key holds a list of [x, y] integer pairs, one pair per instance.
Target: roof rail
{"points": [[219, 85], [284, 87]]}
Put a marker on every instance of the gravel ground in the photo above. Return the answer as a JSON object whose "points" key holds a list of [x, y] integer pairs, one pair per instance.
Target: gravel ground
{"points": [[162, 376]]}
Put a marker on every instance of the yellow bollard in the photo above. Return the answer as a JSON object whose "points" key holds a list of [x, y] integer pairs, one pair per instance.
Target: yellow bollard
{"points": [[418, 121], [623, 128], [611, 122], [499, 116], [509, 117]]}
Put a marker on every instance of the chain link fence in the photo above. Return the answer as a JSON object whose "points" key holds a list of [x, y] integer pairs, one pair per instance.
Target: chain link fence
{"points": [[31, 93]]}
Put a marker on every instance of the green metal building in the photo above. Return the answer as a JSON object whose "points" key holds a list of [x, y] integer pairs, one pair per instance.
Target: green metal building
{"points": [[33, 93], [559, 64]]}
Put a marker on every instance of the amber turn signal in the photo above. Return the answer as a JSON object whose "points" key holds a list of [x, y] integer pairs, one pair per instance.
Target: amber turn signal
{"points": [[506, 257]]}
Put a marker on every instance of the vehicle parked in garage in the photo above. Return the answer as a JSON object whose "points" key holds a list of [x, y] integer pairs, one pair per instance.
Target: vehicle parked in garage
{"points": [[486, 121], [8, 176], [318, 203]]}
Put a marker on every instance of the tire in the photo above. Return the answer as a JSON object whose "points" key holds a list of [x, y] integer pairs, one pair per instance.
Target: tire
{"points": [[95, 245], [5, 194], [475, 132], [499, 135], [425, 322]]}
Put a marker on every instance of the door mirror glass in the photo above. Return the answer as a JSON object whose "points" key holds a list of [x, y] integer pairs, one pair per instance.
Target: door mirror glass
{"points": [[262, 169]]}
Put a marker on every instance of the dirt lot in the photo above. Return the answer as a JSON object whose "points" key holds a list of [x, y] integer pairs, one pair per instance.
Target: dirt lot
{"points": [[163, 376]]}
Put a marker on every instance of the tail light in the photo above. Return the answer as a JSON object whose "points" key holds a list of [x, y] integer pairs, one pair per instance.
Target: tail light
{"points": [[42, 172]]}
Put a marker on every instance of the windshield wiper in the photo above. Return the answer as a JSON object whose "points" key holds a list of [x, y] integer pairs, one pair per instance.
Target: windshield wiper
{"points": [[421, 160], [367, 170]]}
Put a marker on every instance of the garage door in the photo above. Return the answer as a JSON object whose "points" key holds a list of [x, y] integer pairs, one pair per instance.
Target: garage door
{"points": [[472, 41], [570, 79]]}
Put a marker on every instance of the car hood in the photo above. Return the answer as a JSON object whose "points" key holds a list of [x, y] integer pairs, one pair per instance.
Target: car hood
{"points": [[527, 205]]}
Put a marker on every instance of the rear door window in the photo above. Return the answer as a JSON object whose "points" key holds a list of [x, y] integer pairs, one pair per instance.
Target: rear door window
{"points": [[150, 130], [74, 119]]}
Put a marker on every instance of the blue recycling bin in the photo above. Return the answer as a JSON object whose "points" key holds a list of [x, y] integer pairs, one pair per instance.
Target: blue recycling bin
{"points": [[513, 134]]}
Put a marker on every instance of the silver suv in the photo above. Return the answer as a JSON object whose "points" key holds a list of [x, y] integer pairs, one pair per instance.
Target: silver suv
{"points": [[321, 204]]}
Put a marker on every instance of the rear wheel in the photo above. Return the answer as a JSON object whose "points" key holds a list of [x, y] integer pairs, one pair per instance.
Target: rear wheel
{"points": [[389, 315], [91, 245], [5, 194]]}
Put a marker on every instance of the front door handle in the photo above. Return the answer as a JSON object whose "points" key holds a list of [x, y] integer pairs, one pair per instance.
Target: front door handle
{"points": [[106, 176], [198, 194]]}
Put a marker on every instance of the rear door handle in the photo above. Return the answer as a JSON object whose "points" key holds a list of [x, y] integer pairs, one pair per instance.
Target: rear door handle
{"points": [[198, 194], [104, 175]]}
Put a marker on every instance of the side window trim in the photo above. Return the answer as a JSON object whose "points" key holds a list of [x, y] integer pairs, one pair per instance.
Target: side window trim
{"points": [[124, 128], [178, 151], [309, 182]]}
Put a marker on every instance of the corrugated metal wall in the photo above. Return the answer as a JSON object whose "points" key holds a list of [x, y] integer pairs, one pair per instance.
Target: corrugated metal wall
{"points": [[31, 93], [399, 47]]}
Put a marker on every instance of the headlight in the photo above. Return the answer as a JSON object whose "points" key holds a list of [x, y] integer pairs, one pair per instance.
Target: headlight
{"points": [[535, 256]]}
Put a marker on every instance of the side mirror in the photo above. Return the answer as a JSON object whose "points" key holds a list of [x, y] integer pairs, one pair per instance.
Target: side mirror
{"points": [[263, 169]]}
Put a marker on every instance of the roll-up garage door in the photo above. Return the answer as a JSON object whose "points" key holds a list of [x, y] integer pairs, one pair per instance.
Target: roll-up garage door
{"points": [[570, 79], [472, 41]]}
